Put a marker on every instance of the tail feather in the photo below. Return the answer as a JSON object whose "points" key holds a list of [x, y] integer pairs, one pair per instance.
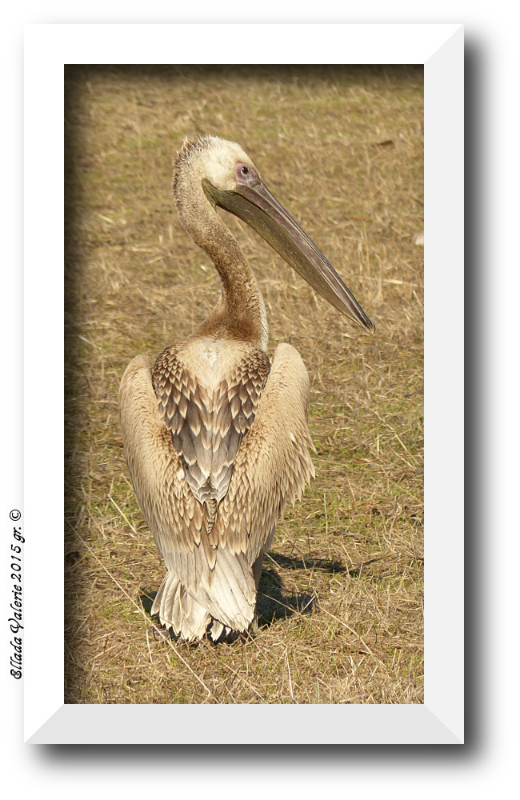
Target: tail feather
{"points": [[224, 600], [179, 611], [230, 593]]}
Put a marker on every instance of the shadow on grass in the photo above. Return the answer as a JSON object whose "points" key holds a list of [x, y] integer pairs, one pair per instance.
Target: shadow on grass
{"points": [[274, 603], [322, 564]]}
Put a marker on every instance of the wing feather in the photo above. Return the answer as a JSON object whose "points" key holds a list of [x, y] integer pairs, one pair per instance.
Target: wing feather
{"points": [[273, 465], [205, 579]]}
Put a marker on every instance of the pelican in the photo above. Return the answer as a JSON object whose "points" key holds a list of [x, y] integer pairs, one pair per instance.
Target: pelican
{"points": [[215, 435]]}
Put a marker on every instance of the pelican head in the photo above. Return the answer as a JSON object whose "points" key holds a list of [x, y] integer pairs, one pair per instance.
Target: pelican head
{"points": [[231, 181]]}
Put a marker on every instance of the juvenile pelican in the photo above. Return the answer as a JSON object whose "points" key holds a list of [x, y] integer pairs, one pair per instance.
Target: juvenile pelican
{"points": [[215, 435]]}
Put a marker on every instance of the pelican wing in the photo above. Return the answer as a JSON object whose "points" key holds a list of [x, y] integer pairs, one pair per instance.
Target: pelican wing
{"points": [[273, 464], [163, 493], [203, 582]]}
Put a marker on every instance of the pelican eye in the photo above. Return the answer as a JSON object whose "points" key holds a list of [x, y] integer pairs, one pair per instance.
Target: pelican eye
{"points": [[245, 174]]}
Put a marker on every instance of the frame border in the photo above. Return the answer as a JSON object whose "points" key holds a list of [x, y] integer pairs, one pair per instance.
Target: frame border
{"points": [[47, 49]]}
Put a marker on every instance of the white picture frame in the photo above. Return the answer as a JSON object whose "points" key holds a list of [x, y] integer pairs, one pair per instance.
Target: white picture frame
{"points": [[441, 719]]}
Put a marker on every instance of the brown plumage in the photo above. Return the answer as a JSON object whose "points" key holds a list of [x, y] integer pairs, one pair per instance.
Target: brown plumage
{"points": [[215, 436]]}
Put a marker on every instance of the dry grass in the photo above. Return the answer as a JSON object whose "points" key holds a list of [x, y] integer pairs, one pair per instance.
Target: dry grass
{"points": [[341, 605]]}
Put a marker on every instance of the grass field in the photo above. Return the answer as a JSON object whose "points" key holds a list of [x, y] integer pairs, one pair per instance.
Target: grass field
{"points": [[341, 598]]}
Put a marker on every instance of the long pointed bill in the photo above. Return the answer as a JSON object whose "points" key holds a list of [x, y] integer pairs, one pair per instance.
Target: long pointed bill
{"points": [[262, 212]]}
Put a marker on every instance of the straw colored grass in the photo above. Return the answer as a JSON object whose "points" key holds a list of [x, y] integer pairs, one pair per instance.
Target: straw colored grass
{"points": [[341, 598]]}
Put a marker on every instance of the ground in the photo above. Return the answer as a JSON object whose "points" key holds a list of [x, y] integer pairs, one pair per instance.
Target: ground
{"points": [[341, 598]]}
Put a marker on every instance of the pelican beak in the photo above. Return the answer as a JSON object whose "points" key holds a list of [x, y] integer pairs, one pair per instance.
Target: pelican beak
{"points": [[256, 205]]}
